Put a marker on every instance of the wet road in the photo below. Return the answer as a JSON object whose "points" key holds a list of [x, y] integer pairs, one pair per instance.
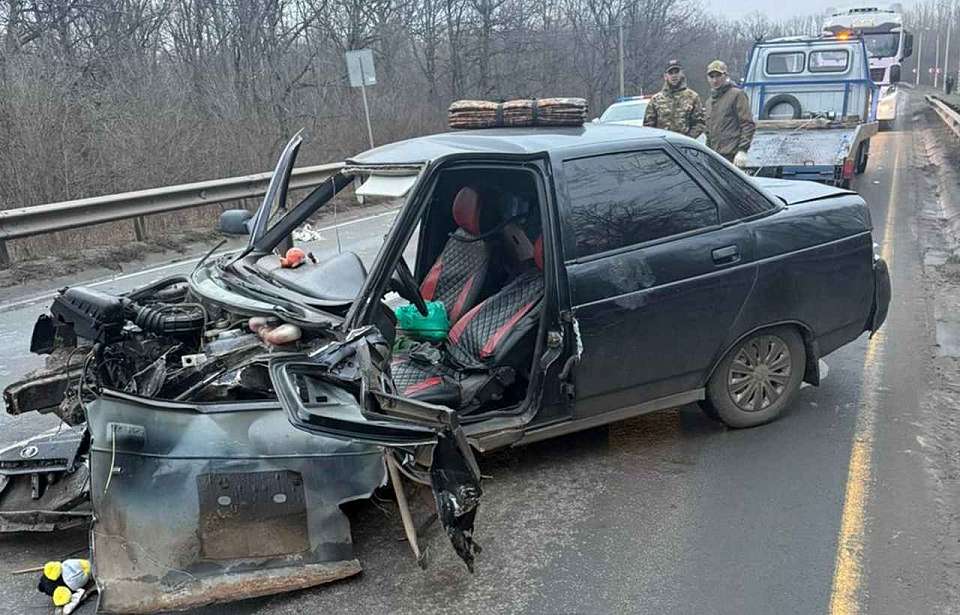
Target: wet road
{"points": [[831, 509]]}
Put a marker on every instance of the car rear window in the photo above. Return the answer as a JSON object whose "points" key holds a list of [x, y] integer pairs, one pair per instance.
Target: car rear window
{"points": [[785, 63], [743, 200], [619, 200], [828, 61]]}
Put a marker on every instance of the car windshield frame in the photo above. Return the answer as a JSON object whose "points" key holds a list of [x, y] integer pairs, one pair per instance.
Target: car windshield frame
{"points": [[276, 196]]}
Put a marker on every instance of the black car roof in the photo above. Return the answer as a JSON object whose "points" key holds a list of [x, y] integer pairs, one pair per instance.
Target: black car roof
{"points": [[504, 141]]}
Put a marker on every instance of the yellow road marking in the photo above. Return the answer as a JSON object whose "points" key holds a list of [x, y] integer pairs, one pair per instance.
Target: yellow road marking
{"points": [[848, 567]]}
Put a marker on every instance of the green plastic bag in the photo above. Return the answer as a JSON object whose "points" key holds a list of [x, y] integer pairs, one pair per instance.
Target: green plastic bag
{"points": [[430, 328]]}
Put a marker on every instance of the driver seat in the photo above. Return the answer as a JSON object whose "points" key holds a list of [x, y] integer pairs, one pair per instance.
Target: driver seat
{"points": [[485, 349], [463, 270]]}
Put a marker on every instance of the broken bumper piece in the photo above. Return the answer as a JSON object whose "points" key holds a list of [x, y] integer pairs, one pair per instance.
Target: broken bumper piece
{"points": [[44, 483], [203, 503]]}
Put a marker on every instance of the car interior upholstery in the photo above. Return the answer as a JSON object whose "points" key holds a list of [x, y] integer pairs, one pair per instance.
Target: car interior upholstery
{"points": [[497, 294]]}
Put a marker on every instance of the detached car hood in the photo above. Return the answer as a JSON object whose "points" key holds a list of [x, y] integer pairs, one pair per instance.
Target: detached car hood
{"points": [[795, 192]]}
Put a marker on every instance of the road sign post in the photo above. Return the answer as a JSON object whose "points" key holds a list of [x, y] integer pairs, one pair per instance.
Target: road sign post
{"points": [[361, 72]]}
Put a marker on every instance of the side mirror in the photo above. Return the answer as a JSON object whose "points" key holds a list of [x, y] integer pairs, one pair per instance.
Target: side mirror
{"points": [[235, 222], [895, 74], [908, 45]]}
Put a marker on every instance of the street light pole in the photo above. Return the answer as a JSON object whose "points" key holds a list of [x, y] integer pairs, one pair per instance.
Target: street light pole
{"points": [[936, 64], [919, 58], [946, 53], [622, 93]]}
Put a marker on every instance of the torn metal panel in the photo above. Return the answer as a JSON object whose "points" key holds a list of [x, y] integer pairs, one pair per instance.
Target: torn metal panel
{"points": [[45, 391], [204, 503], [455, 479], [317, 406]]}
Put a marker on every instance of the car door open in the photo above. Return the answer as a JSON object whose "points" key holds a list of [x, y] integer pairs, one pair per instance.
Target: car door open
{"points": [[344, 391]]}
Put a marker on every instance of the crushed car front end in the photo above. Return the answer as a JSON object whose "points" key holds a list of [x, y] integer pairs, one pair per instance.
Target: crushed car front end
{"points": [[201, 490], [197, 488]]}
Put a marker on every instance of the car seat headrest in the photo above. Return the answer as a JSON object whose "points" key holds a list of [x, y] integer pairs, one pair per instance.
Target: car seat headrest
{"points": [[466, 210]]}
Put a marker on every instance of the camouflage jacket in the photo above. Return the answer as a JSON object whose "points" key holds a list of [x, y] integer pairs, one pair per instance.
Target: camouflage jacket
{"points": [[678, 109]]}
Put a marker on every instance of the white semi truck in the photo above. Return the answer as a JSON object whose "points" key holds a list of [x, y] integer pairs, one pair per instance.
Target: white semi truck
{"points": [[888, 44]]}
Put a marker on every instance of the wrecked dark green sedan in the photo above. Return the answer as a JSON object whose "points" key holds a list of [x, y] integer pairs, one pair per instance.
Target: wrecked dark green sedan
{"points": [[559, 279]]}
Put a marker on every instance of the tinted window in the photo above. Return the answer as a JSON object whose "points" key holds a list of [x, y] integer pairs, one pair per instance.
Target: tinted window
{"points": [[742, 198], [786, 63], [624, 199], [830, 61]]}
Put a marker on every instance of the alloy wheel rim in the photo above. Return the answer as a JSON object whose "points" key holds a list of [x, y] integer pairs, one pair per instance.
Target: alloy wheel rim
{"points": [[760, 373]]}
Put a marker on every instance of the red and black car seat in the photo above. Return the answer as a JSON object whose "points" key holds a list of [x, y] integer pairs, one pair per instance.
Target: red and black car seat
{"points": [[463, 269], [484, 350]]}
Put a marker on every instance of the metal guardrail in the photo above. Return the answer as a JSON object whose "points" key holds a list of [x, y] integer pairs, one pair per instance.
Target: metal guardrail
{"points": [[40, 219], [950, 117]]}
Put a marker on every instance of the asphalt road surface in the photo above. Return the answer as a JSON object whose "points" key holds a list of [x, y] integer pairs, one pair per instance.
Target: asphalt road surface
{"points": [[834, 508]]}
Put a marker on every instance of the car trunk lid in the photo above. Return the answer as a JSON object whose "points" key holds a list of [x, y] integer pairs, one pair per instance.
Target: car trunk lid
{"points": [[796, 192]]}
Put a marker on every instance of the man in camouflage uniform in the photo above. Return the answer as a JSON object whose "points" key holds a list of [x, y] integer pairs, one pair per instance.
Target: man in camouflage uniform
{"points": [[730, 124], [676, 107]]}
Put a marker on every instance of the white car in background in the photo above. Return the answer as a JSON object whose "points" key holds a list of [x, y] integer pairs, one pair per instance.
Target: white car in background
{"points": [[627, 110]]}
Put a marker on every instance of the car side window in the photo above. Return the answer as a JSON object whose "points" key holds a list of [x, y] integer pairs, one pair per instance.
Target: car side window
{"points": [[619, 200], [742, 198]]}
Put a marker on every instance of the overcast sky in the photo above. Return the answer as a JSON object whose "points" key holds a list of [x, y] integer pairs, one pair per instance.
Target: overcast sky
{"points": [[775, 9]]}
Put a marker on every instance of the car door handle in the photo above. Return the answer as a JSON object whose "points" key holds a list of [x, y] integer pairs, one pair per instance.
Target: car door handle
{"points": [[726, 255]]}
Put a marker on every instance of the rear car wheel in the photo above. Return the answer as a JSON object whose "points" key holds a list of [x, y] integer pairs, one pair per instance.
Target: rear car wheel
{"points": [[758, 378]]}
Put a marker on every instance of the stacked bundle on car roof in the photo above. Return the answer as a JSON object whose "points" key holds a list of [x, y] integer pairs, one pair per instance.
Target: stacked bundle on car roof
{"points": [[517, 113]]}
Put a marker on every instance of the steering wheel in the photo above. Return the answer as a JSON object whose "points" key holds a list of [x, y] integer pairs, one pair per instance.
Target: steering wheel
{"points": [[408, 288]]}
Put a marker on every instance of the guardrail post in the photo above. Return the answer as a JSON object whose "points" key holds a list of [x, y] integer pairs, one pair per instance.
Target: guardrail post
{"points": [[4, 255], [139, 228]]}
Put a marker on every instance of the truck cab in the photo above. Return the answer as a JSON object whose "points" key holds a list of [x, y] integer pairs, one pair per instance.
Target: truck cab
{"points": [[888, 45]]}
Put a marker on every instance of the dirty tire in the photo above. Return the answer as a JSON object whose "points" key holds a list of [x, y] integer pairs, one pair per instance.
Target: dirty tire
{"points": [[778, 101], [758, 378]]}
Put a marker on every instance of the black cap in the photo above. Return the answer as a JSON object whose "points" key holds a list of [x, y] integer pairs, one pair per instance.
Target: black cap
{"points": [[672, 64]]}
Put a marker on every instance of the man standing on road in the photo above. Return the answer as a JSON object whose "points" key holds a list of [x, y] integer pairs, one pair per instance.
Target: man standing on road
{"points": [[675, 107], [730, 124]]}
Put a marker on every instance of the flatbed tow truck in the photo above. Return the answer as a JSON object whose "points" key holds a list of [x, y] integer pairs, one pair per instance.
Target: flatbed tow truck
{"points": [[816, 107]]}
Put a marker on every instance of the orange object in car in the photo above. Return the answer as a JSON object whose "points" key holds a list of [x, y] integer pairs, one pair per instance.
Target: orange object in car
{"points": [[293, 258]]}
